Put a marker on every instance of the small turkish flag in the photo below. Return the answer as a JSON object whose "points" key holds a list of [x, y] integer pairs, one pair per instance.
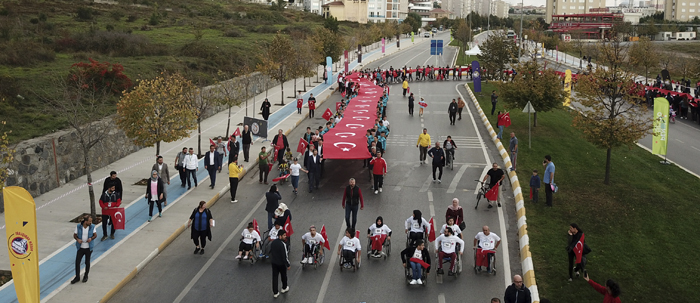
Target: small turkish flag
{"points": [[327, 114], [325, 238], [300, 102], [302, 145], [431, 234], [212, 142], [237, 133], [337, 106], [117, 215], [504, 120], [255, 226], [288, 228], [492, 194]]}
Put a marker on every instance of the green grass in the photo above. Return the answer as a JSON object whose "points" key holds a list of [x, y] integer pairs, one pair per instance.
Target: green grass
{"points": [[641, 228], [462, 59]]}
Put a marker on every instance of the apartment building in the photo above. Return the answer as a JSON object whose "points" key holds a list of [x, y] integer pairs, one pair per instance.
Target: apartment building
{"points": [[347, 10], [567, 7], [496, 8], [681, 10], [458, 8]]}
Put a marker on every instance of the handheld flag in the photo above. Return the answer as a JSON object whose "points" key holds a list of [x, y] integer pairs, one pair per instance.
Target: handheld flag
{"points": [[325, 238], [117, 215], [492, 194], [327, 114], [22, 245], [578, 249], [431, 234], [504, 120], [299, 102], [423, 104], [302, 145], [211, 142], [288, 228], [280, 178], [237, 133], [419, 261], [337, 106], [255, 226]]}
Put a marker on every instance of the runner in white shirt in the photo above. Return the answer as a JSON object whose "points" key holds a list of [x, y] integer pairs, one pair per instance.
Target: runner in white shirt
{"points": [[416, 227], [310, 240], [448, 242], [488, 241], [350, 247], [451, 224], [378, 228], [249, 234], [295, 168]]}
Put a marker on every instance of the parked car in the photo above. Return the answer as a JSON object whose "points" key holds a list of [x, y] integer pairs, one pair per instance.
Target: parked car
{"points": [[426, 34]]}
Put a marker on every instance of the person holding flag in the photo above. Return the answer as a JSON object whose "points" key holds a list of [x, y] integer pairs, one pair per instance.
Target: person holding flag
{"points": [[222, 150], [300, 102], [577, 249], [310, 240], [487, 243], [248, 236], [312, 105], [499, 124], [109, 199], [418, 258], [233, 146], [280, 144], [284, 216], [496, 175], [379, 233]]}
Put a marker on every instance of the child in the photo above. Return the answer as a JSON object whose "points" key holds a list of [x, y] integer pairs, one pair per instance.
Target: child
{"points": [[382, 142], [288, 155], [284, 168], [534, 186]]}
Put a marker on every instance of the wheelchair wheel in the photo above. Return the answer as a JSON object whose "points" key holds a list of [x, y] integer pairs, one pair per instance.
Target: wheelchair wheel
{"points": [[387, 248], [493, 265]]}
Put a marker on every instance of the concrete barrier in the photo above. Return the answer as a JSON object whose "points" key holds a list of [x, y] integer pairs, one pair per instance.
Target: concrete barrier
{"points": [[524, 240]]}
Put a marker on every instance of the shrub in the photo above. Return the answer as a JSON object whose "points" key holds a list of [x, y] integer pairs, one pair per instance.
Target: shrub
{"points": [[98, 76], [116, 15], [109, 27], [25, 53], [227, 15], [111, 43], [132, 18], [154, 20], [84, 13], [233, 33], [42, 17], [34, 20]]}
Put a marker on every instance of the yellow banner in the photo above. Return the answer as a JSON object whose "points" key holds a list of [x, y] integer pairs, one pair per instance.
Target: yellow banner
{"points": [[567, 87], [20, 219]]}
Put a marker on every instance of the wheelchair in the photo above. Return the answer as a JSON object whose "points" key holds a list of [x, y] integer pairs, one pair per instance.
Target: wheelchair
{"points": [[458, 261], [254, 254], [408, 275], [410, 242], [386, 249], [349, 264], [491, 259], [319, 256]]}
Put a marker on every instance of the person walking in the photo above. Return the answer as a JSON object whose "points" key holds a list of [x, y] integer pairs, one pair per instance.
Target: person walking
{"points": [[262, 165], [535, 187], [513, 147], [548, 178], [221, 149], [405, 87], [233, 148], [234, 171], [314, 170], [295, 168], [460, 106], [273, 198], [353, 195], [438, 155], [113, 180], [110, 198], [279, 259], [212, 163], [517, 292], [201, 222], [280, 144], [423, 144], [452, 111], [180, 166], [611, 290], [164, 175], [265, 108], [312, 105], [577, 250], [247, 142], [499, 123], [422, 105], [411, 99], [379, 170], [455, 211], [300, 102], [192, 167], [494, 100], [84, 236], [496, 175], [154, 194]]}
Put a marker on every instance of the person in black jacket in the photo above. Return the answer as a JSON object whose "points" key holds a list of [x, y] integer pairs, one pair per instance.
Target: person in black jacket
{"points": [[273, 198], [155, 185], [419, 252], [353, 195], [212, 163], [438, 155], [576, 235], [201, 229], [247, 142], [517, 292], [452, 110], [313, 165], [265, 108], [410, 104], [233, 148], [279, 259], [112, 180], [281, 145]]}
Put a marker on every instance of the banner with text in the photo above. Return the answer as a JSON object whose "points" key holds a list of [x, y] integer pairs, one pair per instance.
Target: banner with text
{"points": [[660, 138], [20, 221], [476, 76]]}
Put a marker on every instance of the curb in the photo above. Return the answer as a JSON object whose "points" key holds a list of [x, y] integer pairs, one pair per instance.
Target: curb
{"points": [[524, 240]]}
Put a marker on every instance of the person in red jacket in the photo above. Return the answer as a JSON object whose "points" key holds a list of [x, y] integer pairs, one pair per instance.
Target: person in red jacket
{"points": [[379, 170], [109, 199], [611, 290]]}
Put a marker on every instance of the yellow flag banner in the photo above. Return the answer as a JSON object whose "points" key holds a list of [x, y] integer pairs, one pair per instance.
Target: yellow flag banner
{"points": [[659, 143], [567, 87], [20, 221]]}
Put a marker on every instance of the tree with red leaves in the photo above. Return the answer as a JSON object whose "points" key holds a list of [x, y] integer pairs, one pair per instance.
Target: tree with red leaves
{"points": [[100, 75]]}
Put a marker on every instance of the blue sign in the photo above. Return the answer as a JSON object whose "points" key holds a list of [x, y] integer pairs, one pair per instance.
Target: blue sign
{"points": [[435, 47]]}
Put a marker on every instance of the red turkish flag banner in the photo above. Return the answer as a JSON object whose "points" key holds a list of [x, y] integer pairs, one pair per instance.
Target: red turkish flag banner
{"points": [[504, 119], [288, 228], [578, 249], [300, 102], [377, 241], [431, 234], [255, 226], [419, 261], [325, 238], [237, 133], [492, 194], [211, 142], [337, 106], [302, 145], [327, 114], [118, 216]]}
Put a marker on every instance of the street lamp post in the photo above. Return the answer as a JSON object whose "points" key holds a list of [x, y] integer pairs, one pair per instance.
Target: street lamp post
{"points": [[522, 5]]}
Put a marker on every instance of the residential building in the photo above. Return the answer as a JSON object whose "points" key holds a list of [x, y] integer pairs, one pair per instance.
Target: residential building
{"points": [[420, 6], [681, 10], [347, 10], [313, 6], [568, 7], [382, 10], [496, 8], [438, 13], [458, 8]]}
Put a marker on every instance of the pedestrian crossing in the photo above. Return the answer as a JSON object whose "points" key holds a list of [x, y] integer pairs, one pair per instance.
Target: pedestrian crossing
{"points": [[410, 140]]}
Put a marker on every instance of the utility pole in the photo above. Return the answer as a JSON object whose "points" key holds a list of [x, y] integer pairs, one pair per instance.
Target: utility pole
{"points": [[520, 36], [488, 18]]}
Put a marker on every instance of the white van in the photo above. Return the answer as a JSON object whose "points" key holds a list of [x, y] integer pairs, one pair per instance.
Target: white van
{"points": [[685, 35]]}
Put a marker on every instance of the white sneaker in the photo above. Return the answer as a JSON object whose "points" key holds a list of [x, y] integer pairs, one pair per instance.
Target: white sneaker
{"points": [[311, 260], [276, 295], [305, 260], [245, 257], [439, 181], [380, 189], [414, 282], [285, 289], [376, 192], [234, 201], [434, 180], [419, 282]]}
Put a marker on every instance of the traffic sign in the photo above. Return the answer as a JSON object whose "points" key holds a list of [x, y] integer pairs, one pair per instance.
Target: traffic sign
{"points": [[435, 47]]}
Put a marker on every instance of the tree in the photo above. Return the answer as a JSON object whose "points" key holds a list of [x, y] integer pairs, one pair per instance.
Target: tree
{"points": [[7, 154], [462, 33], [643, 54], [228, 92], [496, 52], [201, 102], [415, 20], [331, 23], [389, 29], [276, 59], [328, 44], [405, 28], [684, 66], [541, 87], [80, 101], [158, 110], [611, 116]]}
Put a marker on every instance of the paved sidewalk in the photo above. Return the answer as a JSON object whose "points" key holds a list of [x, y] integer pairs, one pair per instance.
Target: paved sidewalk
{"points": [[113, 260]]}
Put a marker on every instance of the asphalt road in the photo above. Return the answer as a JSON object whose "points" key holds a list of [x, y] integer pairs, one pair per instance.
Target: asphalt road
{"points": [[176, 275]]}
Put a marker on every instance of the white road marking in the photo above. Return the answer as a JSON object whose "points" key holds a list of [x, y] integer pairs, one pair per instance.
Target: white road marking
{"points": [[223, 246], [426, 184], [441, 298], [478, 133], [331, 265], [455, 180], [430, 196], [680, 141], [695, 148]]}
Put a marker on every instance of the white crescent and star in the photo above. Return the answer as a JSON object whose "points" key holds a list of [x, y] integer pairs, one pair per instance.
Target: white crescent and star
{"points": [[345, 149]]}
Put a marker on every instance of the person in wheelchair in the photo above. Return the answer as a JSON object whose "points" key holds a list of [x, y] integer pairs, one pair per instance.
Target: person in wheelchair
{"points": [[250, 237], [378, 233], [416, 227], [271, 236], [446, 245], [349, 249], [487, 242], [451, 224], [418, 258], [311, 241]]}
